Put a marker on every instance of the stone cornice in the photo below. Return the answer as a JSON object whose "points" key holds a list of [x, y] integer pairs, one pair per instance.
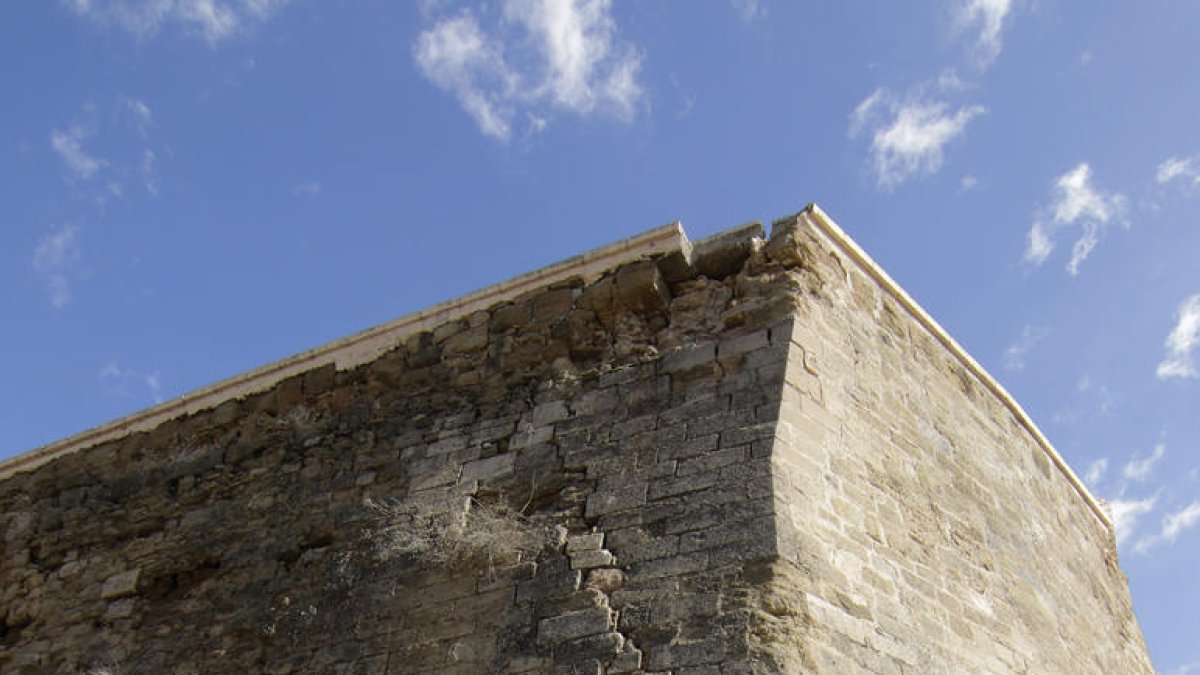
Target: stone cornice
{"points": [[364, 346]]}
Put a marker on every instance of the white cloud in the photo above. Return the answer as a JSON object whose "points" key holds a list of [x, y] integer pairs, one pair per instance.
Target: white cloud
{"points": [[1039, 246], [1182, 342], [140, 113], [749, 10], [123, 382], [1140, 469], [986, 19], [1077, 203], [1014, 356], [1177, 522], [154, 385], [309, 188], [1173, 524], [967, 182], [908, 137], [1095, 472], [69, 146], [213, 20], [457, 57], [1178, 167], [1089, 400], [1126, 513], [539, 56], [1187, 668], [53, 259], [149, 172]]}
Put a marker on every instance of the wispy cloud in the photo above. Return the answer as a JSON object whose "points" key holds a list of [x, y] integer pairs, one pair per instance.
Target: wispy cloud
{"points": [[538, 56], [1127, 512], [1173, 524], [1182, 342], [984, 20], [1077, 203], [1177, 522], [1175, 169], [1090, 399], [55, 256], [1095, 472], [124, 382], [68, 144], [1140, 469], [1014, 356], [212, 20], [309, 188], [908, 135], [139, 113], [749, 10], [149, 172]]}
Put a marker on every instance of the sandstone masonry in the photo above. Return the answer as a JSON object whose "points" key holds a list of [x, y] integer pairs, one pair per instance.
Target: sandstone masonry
{"points": [[743, 455]]}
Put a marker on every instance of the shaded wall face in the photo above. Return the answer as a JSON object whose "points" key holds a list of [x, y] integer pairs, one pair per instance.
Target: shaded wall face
{"points": [[574, 482], [926, 529]]}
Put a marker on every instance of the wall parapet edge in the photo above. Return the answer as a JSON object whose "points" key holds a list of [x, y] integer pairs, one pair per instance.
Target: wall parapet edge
{"points": [[369, 344], [363, 346]]}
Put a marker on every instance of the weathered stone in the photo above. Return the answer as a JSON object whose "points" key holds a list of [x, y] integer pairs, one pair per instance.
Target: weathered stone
{"points": [[742, 458], [591, 541], [120, 585], [574, 625], [605, 580], [586, 560], [641, 288], [724, 253]]}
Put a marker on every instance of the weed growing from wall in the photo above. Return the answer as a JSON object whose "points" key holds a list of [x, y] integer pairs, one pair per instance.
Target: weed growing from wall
{"points": [[454, 532]]}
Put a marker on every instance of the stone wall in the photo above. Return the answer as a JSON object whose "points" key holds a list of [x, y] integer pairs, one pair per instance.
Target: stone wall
{"points": [[742, 456], [916, 501]]}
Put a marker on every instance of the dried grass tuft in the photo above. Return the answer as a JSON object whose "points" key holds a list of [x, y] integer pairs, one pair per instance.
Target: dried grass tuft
{"points": [[453, 532]]}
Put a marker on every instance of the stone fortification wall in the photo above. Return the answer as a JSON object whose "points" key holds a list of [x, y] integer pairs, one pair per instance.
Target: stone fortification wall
{"points": [[742, 456], [631, 416]]}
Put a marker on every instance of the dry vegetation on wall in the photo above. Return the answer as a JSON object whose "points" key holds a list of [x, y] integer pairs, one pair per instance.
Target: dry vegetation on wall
{"points": [[457, 532]]}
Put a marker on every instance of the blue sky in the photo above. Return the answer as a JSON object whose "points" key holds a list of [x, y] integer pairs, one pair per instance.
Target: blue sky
{"points": [[191, 188]]}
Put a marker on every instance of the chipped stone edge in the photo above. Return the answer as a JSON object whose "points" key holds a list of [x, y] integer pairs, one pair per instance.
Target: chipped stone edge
{"points": [[361, 347], [822, 223]]}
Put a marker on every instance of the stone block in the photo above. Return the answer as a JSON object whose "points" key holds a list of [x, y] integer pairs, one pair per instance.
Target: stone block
{"points": [[600, 647], [511, 316], [628, 661], [690, 357], [545, 414], [640, 287], [591, 541], [585, 560], [120, 585], [574, 625], [618, 499], [488, 468], [605, 580], [722, 254], [552, 304]]}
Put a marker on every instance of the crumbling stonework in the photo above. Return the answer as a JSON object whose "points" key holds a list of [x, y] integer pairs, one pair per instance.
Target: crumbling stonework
{"points": [[749, 455]]}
